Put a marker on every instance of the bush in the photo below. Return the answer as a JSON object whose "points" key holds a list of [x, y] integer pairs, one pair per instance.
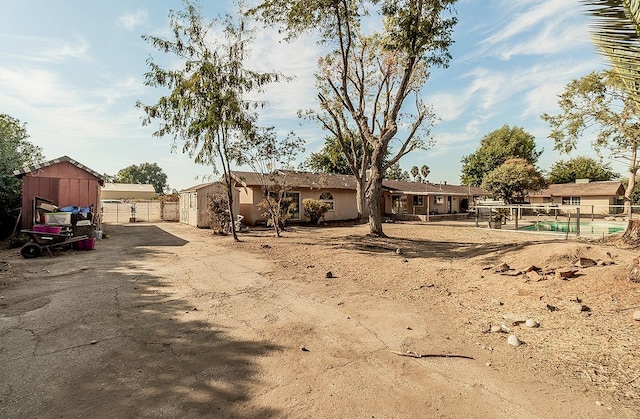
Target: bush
{"points": [[314, 209]]}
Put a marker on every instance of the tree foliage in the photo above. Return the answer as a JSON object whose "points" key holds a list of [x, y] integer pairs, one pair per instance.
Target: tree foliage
{"points": [[266, 152], [15, 152], [496, 148], [206, 108], [364, 84], [513, 180], [395, 172], [329, 159], [567, 171], [599, 100], [145, 173]]}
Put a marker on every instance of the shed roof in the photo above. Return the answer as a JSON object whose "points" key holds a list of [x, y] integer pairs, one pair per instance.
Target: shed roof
{"points": [[195, 188], [26, 170], [129, 187], [300, 179], [602, 188]]}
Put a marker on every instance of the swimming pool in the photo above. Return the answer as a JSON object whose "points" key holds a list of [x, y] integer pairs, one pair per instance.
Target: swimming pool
{"points": [[586, 227]]}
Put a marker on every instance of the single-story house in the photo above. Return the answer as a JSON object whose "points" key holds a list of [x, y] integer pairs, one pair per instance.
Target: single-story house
{"points": [[63, 182], [194, 203], [596, 197], [128, 191], [339, 191], [424, 199]]}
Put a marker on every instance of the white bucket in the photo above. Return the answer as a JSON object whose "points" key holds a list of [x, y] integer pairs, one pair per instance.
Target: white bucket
{"points": [[97, 234]]}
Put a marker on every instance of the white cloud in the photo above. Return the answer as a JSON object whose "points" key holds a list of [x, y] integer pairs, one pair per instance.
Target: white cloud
{"points": [[130, 21]]}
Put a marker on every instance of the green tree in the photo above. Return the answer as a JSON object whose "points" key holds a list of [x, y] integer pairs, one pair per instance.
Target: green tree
{"points": [[600, 100], [365, 81], [206, 108], [145, 173], [328, 160], [395, 172], [424, 171], [496, 148], [580, 168], [15, 152], [513, 180]]}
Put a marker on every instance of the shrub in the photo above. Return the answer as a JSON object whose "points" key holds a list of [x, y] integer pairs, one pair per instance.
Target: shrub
{"points": [[314, 209]]}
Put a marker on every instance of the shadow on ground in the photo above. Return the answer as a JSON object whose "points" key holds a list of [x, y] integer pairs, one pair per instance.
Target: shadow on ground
{"points": [[154, 355]]}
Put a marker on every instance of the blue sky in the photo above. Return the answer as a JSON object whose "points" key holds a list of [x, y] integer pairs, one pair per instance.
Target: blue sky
{"points": [[73, 71]]}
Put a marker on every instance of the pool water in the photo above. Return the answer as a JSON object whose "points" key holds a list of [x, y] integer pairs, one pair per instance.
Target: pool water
{"points": [[588, 227]]}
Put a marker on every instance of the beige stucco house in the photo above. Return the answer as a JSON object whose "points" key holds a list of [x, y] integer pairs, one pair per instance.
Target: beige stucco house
{"points": [[194, 203], [424, 199], [590, 197], [339, 191]]}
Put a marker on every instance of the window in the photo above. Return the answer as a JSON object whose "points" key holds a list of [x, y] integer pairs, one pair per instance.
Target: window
{"points": [[399, 204], [439, 200], [418, 201], [327, 198], [570, 200], [290, 200], [193, 200]]}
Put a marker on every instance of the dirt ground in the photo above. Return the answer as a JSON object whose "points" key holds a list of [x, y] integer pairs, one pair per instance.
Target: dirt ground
{"points": [[164, 320]]}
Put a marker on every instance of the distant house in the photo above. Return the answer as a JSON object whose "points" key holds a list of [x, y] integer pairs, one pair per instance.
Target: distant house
{"points": [[588, 196], [128, 191], [339, 191], [194, 203], [423, 199]]}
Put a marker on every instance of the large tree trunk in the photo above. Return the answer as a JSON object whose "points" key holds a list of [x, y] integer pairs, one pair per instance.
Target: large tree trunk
{"points": [[373, 195], [632, 234], [361, 200]]}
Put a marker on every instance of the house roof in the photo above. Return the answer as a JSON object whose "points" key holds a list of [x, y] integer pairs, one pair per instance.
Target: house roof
{"points": [[195, 188], [415, 188], [25, 170], [129, 187], [603, 188], [300, 179]]}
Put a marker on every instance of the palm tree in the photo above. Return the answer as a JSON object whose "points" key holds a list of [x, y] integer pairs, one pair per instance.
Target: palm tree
{"points": [[616, 33]]}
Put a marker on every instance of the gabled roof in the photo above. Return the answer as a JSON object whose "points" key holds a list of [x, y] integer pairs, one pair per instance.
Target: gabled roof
{"points": [[415, 188], [129, 187], [204, 185], [603, 188], [25, 170], [299, 179]]}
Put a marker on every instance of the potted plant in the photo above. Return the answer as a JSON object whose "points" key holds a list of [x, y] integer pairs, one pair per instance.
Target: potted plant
{"points": [[497, 218]]}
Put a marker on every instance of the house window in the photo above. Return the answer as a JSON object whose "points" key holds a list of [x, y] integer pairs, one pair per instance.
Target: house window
{"points": [[290, 200], [399, 204], [418, 201], [439, 200], [327, 198], [570, 200]]}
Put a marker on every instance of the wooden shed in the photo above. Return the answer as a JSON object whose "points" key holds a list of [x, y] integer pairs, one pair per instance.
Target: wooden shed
{"points": [[63, 181], [194, 203]]}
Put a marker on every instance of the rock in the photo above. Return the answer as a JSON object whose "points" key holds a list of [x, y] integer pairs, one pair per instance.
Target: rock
{"points": [[552, 308], [579, 307], [398, 251], [488, 364], [504, 328], [496, 302], [303, 349], [513, 340], [531, 323], [565, 273], [601, 262], [503, 267], [636, 315], [598, 403], [340, 303], [584, 262], [406, 260], [409, 328], [514, 319], [93, 342], [535, 276], [265, 246], [329, 275], [494, 328], [532, 268]]}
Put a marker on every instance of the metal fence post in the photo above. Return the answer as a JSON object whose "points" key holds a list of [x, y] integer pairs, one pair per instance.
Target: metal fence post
{"points": [[578, 221]]}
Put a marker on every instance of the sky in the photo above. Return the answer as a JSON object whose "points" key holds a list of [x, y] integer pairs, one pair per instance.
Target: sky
{"points": [[73, 71]]}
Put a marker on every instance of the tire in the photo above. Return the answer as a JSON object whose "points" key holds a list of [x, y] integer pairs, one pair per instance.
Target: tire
{"points": [[31, 250]]}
